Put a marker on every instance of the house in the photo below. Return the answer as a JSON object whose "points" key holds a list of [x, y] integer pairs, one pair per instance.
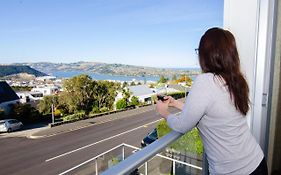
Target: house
{"points": [[29, 96], [143, 92], [46, 90], [7, 96]]}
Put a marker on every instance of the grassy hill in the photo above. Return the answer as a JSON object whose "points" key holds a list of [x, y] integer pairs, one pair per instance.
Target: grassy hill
{"points": [[6, 70], [111, 69]]}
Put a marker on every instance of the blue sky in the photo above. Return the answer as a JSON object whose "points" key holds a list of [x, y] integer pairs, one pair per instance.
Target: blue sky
{"points": [[157, 33]]}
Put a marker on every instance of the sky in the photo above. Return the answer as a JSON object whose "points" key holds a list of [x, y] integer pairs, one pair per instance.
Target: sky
{"points": [[155, 33]]}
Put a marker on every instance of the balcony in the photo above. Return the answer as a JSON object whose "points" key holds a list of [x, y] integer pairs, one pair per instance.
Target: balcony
{"points": [[127, 159]]}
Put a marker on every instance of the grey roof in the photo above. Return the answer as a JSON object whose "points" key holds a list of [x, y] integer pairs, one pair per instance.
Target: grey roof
{"points": [[179, 87], [140, 90], [7, 93]]}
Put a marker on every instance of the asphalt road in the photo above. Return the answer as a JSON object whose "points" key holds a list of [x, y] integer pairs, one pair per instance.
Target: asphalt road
{"points": [[47, 155]]}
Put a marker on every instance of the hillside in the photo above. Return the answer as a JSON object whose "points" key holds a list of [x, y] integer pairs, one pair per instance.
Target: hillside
{"points": [[6, 70], [104, 68]]}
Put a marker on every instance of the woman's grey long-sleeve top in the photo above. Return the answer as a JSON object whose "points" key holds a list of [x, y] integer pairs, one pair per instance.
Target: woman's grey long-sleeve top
{"points": [[228, 142]]}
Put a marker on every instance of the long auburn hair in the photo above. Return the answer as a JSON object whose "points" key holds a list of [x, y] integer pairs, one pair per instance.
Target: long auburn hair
{"points": [[218, 55]]}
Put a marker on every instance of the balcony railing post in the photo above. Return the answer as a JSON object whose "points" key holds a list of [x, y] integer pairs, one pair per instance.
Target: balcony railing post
{"points": [[96, 165], [146, 168], [123, 152], [174, 167]]}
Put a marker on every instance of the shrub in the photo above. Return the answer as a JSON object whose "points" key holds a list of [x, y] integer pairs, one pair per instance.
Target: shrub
{"points": [[77, 116], [177, 95], [95, 110], [121, 104], [103, 109], [134, 101], [24, 112], [57, 113]]}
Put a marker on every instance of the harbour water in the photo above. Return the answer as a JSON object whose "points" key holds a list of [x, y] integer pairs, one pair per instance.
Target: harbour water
{"points": [[95, 76], [69, 74]]}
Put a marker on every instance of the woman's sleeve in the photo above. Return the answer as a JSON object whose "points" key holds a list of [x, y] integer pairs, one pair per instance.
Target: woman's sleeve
{"points": [[195, 106]]}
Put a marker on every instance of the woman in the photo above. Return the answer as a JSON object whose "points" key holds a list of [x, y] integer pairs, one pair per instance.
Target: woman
{"points": [[217, 105]]}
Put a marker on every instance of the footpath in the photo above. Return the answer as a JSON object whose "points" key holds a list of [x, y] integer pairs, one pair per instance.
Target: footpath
{"points": [[51, 131]]}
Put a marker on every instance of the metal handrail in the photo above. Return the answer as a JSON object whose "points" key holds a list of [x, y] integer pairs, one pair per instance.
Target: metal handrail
{"points": [[140, 157]]}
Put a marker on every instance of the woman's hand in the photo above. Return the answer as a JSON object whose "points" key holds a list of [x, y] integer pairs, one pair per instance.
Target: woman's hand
{"points": [[162, 108], [174, 103], [170, 100]]}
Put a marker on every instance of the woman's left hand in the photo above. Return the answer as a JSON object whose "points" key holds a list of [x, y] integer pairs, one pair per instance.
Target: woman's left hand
{"points": [[162, 108]]}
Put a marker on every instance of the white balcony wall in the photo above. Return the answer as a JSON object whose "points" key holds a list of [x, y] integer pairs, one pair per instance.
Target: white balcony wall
{"points": [[254, 23], [251, 22]]}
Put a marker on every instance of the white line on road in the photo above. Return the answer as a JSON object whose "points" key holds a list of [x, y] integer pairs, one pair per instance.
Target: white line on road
{"points": [[86, 146]]}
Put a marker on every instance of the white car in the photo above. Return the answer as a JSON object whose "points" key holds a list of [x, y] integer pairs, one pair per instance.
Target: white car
{"points": [[9, 125]]}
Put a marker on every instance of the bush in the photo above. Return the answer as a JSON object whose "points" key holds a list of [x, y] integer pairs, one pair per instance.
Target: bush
{"points": [[177, 95], [190, 142], [24, 112], [103, 109], [121, 104], [134, 101], [95, 110], [77, 116], [57, 113]]}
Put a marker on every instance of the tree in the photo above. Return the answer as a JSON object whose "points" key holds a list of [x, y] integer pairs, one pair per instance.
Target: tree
{"points": [[44, 105], [126, 95], [134, 101], [132, 83], [121, 104], [163, 79], [125, 84], [79, 93], [151, 86], [104, 94], [186, 79]]}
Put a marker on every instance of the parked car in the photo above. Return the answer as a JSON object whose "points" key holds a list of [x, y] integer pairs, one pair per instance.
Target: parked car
{"points": [[10, 125], [151, 137]]}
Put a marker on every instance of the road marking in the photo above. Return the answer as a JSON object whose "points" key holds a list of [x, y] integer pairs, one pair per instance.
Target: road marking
{"points": [[86, 146]]}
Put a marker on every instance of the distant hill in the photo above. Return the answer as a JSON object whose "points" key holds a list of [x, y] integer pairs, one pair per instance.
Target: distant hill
{"points": [[111, 69], [6, 70]]}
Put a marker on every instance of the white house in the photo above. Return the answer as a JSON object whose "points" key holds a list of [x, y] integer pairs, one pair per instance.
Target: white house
{"points": [[28, 96], [143, 92], [46, 90]]}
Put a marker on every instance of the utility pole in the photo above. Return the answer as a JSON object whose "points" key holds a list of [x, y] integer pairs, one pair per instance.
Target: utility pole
{"points": [[53, 117]]}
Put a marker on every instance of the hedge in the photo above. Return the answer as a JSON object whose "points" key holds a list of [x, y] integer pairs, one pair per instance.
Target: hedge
{"points": [[77, 116]]}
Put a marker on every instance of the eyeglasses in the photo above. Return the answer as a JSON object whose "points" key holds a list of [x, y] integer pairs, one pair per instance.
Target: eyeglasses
{"points": [[196, 51]]}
